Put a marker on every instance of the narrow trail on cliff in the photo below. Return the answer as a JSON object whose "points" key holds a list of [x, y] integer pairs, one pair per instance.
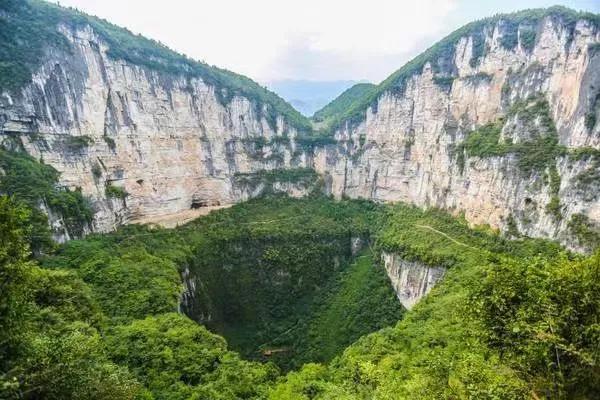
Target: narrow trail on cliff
{"points": [[446, 236]]}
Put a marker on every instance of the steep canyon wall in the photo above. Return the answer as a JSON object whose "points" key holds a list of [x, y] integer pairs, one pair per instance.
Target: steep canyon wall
{"points": [[171, 143]]}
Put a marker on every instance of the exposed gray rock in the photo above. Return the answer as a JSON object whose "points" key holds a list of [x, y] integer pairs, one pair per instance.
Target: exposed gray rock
{"points": [[168, 141], [410, 280], [410, 139]]}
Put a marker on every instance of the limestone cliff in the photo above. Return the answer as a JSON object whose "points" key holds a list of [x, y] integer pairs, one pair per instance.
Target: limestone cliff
{"points": [[408, 143], [167, 141], [410, 280], [170, 140]]}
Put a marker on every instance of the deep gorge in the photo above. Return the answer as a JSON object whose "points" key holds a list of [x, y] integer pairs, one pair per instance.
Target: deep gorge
{"points": [[431, 237], [296, 288], [146, 133]]}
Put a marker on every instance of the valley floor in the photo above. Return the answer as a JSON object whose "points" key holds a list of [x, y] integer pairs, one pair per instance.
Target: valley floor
{"points": [[179, 218], [295, 285]]}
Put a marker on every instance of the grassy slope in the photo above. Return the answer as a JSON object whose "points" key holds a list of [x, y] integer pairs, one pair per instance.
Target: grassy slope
{"points": [[30, 28], [361, 301], [343, 101]]}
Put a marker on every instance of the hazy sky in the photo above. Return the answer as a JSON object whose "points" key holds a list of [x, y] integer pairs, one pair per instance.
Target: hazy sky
{"points": [[303, 39]]}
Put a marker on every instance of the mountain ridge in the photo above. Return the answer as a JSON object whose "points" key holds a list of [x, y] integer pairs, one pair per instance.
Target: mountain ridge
{"points": [[141, 142], [394, 82], [42, 19], [310, 96]]}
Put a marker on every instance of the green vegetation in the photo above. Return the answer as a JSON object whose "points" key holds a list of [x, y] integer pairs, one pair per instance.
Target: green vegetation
{"points": [[537, 153], [115, 192], [584, 153], [587, 182], [343, 101], [50, 346], [271, 272], [512, 319], [75, 144], [266, 273], [528, 37], [445, 82], [97, 170], [512, 230], [590, 116], [479, 77], [258, 141], [57, 342], [442, 53], [584, 230], [255, 147], [318, 139], [359, 301], [31, 26], [590, 120], [278, 280], [554, 207], [36, 184], [306, 177], [127, 284], [175, 358], [485, 141]]}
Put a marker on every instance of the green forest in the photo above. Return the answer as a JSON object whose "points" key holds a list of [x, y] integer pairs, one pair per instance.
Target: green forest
{"points": [[277, 303], [281, 298]]}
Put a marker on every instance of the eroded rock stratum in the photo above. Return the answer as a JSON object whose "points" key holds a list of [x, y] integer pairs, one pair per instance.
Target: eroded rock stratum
{"points": [[172, 143]]}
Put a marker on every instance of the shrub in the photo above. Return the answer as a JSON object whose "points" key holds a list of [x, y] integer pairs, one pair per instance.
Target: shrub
{"points": [[527, 38], [303, 176], [554, 208], [115, 192], [535, 154], [444, 82], [584, 153], [585, 231], [485, 141], [309, 143], [77, 143], [96, 170], [33, 183]]}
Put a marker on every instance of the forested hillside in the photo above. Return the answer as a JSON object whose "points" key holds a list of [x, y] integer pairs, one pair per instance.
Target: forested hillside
{"points": [[343, 102], [383, 250], [287, 283]]}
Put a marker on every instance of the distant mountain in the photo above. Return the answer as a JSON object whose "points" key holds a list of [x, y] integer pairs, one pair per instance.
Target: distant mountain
{"points": [[309, 96], [344, 101]]}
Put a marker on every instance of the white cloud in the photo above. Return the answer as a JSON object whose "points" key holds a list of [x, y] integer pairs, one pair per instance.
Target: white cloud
{"points": [[270, 39], [303, 39]]}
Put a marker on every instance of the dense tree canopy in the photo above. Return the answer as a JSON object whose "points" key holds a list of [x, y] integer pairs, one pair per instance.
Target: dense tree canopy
{"points": [[289, 283]]}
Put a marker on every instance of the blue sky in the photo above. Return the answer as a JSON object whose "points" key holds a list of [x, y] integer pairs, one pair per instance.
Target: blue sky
{"points": [[309, 39]]}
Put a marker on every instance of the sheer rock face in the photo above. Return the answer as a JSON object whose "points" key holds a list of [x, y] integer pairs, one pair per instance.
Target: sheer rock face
{"points": [[165, 139], [169, 142], [410, 280], [410, 139]]}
